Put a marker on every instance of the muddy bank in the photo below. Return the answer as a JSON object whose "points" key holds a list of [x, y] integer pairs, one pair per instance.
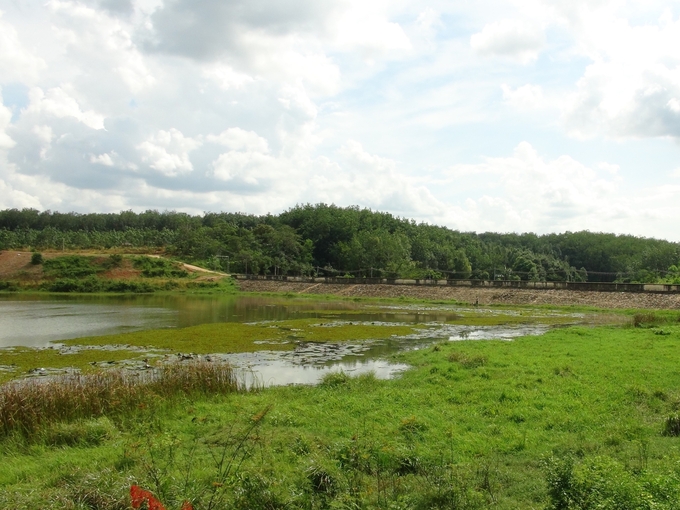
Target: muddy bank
{"points": [[468, 295]]}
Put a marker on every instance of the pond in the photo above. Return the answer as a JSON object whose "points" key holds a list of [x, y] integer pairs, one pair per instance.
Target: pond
{"points": [[41, 322]]}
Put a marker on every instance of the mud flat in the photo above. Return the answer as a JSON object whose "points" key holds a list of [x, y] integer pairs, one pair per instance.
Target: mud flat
{"points": [[483, 296]]}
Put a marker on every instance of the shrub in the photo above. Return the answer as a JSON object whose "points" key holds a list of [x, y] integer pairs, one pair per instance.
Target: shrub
{"points": [[36, 259], [643, 319], [70, 266], [4, 285], [467, 361], [159, 268], [672, 426], [115, 260]]}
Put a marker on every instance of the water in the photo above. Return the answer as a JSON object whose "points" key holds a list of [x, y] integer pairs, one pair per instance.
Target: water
{"points": [[39, 321]]}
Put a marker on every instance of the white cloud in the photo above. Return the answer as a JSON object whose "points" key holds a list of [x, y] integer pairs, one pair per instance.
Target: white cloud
{"points": [[364, 25], [373, 181], [515, 39], [58, 103], [103, 41], [16, 62], [6, 141], [103, 159], [240, 139], [168, 152], [532, 194], [226, 77], [249, 167], [673, 105], [632, 86]]}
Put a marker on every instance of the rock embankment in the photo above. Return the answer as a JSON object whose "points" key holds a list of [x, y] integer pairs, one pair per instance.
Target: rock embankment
{"points": [[484, 296]]}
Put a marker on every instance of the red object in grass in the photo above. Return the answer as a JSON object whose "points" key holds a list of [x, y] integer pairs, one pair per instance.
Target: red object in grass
{"points": [[139, 496]]}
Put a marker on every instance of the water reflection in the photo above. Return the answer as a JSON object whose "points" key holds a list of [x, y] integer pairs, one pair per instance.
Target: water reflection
{"points": [[35, 320]]}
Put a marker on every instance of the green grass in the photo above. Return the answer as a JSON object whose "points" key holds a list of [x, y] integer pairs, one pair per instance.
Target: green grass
{"points": [[580, 412]]}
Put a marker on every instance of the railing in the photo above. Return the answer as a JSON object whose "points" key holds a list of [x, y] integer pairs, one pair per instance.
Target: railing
{"points": [[510, 284]]}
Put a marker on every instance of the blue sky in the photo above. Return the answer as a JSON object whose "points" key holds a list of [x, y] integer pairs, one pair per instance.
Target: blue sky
{"points": [[520, 115]]}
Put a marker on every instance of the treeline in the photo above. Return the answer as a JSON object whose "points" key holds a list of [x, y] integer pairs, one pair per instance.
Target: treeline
{"points": [[328, 240]]}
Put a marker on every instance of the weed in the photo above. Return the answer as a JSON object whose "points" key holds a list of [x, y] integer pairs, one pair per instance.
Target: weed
{"points": [[412, 427], [334, 379], [467, 361], [645, 319], [671, 426]]}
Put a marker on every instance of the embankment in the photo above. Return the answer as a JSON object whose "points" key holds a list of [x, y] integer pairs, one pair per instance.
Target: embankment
{"points": [[484, 296]]}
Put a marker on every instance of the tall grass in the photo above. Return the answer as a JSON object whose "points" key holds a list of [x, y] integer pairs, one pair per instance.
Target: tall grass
{"points": [[26, 406]]}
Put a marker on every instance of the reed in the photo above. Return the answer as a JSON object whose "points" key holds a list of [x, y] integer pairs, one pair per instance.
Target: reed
{"points": [[28, 405]]}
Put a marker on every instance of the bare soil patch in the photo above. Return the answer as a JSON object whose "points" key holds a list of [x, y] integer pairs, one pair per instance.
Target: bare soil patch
{"points": [[483, 296]]}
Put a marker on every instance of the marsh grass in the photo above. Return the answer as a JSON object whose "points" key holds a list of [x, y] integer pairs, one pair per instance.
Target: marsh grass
{"points": [[27, 406]]}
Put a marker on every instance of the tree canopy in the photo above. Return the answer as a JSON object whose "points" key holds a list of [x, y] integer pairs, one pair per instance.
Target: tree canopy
{"points": [[326, 239]]}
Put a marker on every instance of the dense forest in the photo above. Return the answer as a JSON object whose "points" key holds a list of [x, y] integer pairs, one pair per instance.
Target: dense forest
{"points": [[329, 240]]}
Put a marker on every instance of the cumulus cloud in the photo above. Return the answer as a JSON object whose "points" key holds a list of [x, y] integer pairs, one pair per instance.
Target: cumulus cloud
{"points": [[16, 62], [373, 181], [6, 141], [632, 86], [515, 39], [258, 105], [102, 40], [240, 139], [59, 103], [168, 152], [103, 159], [532, 194]]}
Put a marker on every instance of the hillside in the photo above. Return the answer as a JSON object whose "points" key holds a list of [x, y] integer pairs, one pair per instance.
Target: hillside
{"points": [[328, 240]]}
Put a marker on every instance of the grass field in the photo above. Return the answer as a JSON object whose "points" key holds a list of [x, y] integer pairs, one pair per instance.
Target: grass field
{"points": [[581, 417]]}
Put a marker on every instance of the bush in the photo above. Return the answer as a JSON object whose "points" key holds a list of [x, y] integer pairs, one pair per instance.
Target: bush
{"points": [[36, 259], [8, 285], [115, 260], [70, 266], [643, 319], [159, 268], [672, 426]]}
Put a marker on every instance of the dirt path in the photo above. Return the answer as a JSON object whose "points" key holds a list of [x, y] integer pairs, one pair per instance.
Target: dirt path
{"points": [[481, 295]]}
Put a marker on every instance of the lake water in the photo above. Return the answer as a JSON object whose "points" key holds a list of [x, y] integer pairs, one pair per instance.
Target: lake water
{"points": [[39, 321]]}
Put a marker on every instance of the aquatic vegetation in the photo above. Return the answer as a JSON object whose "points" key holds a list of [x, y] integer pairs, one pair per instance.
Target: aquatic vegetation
{"points": [[232, 337], [22, 361]]}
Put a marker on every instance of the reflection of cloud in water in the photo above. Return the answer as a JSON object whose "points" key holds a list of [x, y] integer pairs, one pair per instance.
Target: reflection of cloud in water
{"points": [[270, 368], [282, 372], [493, 332], [35, 324]]}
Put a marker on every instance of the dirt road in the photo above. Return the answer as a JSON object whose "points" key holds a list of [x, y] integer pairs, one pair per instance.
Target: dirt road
{"points": [[481, 295]]}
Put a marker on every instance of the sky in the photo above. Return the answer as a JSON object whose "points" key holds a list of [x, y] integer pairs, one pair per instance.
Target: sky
{"points": [[486, 115]]}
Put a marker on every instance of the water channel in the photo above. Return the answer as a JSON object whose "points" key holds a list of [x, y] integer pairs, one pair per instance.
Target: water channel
{"points": [[42, 321]]}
